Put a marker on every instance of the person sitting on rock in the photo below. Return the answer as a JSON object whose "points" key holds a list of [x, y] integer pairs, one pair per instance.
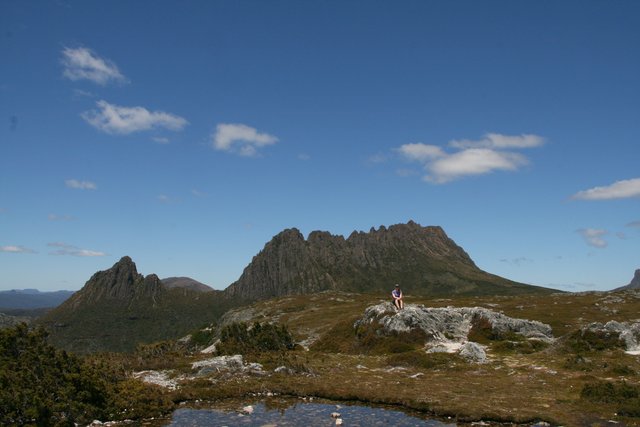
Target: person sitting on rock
{"points": [[397, 297]]}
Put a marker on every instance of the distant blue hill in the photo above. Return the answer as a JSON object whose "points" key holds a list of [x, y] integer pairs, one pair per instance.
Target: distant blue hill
{"points": [[32, 298]]}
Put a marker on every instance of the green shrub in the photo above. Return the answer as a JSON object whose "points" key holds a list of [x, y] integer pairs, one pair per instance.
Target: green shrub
{"points": [[583, 341], [240, 338], [522, 346], [607, 392], [40, 385], [202, 338]]}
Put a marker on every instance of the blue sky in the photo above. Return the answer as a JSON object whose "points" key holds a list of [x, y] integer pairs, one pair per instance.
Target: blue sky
{"points": [[187, 134]]}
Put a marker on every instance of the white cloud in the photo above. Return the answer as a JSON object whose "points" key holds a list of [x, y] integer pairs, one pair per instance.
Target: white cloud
{"points": [[618, 190], [421, 152], [499, 141], [115, 119], [198, 193], [80, 185], [635, 224], [66, 249], [473, 161], [84, 64], [593, 237], [494, 152], [16, 250], [241, 139]]}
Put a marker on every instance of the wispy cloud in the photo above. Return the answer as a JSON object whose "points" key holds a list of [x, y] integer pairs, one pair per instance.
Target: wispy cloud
{"points": [[500, 142], [624, 189], [66, 249], [470, 157], [634, 224], [84, 64], [54, 217], [11, 249], [80, 185], [161, 140], [516, 261], [241, 139], [593, 237], [198, 193], [115, 119]]}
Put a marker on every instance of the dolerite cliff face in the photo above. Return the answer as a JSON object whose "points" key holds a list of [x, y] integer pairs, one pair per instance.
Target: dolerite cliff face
{"points": [[634, 284], [423, 260], [118, 309]]}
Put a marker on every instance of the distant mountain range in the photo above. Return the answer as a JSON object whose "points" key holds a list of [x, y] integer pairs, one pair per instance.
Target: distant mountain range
{"points": [[119, 308], [31, 299]]}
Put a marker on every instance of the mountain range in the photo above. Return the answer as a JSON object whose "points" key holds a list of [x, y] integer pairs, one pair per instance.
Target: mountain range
{"points": [[31, 298], [119, 308]]}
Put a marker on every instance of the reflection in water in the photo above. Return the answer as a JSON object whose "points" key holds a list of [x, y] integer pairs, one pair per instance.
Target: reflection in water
{"points": [[279, 412]]}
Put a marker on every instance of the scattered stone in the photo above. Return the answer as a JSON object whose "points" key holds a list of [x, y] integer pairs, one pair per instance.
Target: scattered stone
{"points": [[248, 409], [335, 415], [339, 421], [161, 378], [473, 352], [233, 363], [419, 374]]}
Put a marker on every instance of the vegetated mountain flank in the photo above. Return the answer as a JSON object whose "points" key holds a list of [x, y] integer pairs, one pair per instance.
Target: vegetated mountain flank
{"points": [[119, 308], [31, 298], [423, 260], [185, 283], [634, 284]]}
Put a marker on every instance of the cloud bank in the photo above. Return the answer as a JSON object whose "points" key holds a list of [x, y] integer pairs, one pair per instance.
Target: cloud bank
{"points": [[477, 157], [84, 64], [241, 139], [618, 190], [115, 119]]}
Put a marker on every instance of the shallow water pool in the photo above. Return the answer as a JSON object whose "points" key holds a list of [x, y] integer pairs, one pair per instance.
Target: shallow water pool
{"points": [[286, 413]]}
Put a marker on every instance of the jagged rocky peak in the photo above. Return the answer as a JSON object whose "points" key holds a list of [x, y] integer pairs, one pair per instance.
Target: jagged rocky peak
{"points": [[122, 281]]}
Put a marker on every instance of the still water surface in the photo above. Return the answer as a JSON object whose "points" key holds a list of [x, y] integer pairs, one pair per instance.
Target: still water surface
{"points": [[286, 413]]}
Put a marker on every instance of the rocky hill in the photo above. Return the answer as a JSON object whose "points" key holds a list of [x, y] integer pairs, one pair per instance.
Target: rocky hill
{"points": [[186, 283], [423, 260], [119, 308], [634, 284]]}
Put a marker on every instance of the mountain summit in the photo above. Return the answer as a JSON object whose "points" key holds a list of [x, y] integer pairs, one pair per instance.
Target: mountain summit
{"points": [[423, 260]]}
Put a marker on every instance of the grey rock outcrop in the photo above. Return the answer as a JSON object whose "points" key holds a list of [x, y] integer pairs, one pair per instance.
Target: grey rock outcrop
{"points": [[450, 323], [628, 332], [447, 329], [227, 364]]}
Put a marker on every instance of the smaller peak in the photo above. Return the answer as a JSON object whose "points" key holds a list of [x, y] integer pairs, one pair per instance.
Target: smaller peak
{"points": [[125, 260]]}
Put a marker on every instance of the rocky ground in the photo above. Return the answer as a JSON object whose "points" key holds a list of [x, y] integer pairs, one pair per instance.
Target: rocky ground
{"points": [[564, 359]]}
